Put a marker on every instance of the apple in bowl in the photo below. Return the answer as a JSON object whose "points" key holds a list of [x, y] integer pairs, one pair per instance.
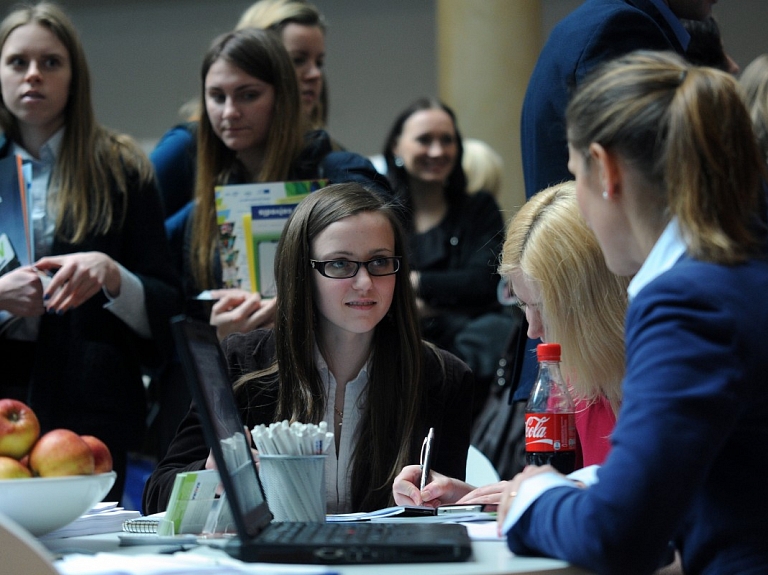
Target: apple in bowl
{"points": [[61, 452], [19, 428], [102, 457], [13, 469]]}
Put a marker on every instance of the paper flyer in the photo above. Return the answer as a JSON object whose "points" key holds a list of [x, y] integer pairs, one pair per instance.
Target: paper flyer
{"points": [[250, 219]]}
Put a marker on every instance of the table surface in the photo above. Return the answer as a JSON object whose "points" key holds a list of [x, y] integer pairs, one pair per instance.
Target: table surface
{"points": [[489, 558]]}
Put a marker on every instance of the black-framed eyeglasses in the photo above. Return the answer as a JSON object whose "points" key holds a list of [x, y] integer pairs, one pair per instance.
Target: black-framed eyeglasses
{"points": [[342, 269]]}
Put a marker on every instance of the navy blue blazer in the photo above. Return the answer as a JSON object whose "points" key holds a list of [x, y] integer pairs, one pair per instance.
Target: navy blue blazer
{"points": [[689, 461], [597, 31]]}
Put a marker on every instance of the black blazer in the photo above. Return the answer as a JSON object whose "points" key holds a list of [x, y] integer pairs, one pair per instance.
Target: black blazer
{"points": [[447, 407], [87, 373]]}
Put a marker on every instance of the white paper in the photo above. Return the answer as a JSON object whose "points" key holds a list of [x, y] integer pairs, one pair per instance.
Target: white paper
{"points": [[207, 561]]}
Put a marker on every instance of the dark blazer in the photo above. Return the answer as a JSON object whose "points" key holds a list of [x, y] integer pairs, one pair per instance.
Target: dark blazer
{"points": [[595, 32], [87, 373], [688, 461], [447, 407]]}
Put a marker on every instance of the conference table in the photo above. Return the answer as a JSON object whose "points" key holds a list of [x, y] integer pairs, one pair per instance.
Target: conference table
{"points": [[488, 558]]}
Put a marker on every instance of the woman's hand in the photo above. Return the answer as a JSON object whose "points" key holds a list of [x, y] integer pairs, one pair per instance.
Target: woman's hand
{"points": [[240, 311], [512, 488], [77, 278], [485, 495], [440, 491], [21, 292]]}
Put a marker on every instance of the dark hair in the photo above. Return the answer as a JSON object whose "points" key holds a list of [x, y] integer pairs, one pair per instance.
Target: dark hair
{"points": [[455, 187], [395, 389], [260, 54], [706, 45], [688, 133]]}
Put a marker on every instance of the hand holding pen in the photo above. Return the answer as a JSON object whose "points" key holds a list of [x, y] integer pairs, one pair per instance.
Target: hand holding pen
{"points": [[426, 457]]}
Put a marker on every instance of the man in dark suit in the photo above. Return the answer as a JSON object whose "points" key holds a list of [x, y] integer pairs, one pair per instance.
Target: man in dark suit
{"points": [[597, 31]]}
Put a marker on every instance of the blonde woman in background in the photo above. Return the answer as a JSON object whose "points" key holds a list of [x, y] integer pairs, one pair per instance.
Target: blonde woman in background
{"points": [[483, 167], [754, 82], [301, 28]]}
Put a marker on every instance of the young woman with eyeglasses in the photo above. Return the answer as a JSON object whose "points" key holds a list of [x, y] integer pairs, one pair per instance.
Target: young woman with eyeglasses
{"points": [[346, 349]]}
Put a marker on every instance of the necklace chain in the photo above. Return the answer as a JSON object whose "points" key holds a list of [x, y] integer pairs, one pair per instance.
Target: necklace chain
{"points": [[340, 414]]}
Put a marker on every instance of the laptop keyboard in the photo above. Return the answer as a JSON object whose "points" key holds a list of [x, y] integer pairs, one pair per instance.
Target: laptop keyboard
{"points": [[330, 533]]}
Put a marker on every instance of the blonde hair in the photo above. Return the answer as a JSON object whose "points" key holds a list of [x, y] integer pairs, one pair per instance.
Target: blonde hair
{"points": [[483, 167], [686, 130], [583, 303], [754, 82], [93, 160], [275, 15]]}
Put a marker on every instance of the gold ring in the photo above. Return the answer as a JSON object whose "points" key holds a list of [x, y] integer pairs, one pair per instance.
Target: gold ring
{"points": [[513, 494]]}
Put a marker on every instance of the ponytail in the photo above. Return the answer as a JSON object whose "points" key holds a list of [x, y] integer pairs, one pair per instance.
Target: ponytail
{"points": [[687, 131], [713, 167]]}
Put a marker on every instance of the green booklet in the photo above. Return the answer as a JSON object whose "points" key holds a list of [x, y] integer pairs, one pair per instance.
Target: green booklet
{"points": [[191, 501]]}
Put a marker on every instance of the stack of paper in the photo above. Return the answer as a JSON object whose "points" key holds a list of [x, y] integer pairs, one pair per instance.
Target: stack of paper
{"points": [[106, 517]]}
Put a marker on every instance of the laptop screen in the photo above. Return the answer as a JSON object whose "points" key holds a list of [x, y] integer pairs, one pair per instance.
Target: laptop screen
{"points": [[205, 369]]}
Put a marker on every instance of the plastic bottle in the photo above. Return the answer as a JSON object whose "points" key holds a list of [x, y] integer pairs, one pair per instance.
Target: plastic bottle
{"points": [[550, 430]]}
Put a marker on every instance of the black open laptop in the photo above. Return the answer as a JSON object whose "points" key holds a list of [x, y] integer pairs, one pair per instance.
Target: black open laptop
{"points": [[260, 539]]}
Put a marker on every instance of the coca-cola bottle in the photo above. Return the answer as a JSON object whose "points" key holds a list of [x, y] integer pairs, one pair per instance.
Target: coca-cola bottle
{"points": [[550, 431]]}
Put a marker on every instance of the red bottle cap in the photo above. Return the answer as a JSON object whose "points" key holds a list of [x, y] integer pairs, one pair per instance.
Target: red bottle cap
{"points": [[548, 352]]}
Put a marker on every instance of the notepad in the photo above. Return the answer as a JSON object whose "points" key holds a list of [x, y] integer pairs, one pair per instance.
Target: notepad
{"points": [[188, 508], [145, 524]]}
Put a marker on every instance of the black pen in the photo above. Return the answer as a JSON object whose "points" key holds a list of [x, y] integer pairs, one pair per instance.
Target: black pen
{"points": [[426, 457]]}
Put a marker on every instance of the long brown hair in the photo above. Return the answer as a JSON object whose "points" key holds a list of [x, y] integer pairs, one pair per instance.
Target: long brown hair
{"points": [[93, 159], [261, 55], [688, 132], [395, 389]]}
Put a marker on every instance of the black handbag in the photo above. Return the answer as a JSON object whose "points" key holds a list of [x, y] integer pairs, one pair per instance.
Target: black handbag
{"points": [[499, 429]]}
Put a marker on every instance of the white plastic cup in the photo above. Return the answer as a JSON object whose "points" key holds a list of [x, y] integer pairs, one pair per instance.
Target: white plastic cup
{"points": [[294, 486]]}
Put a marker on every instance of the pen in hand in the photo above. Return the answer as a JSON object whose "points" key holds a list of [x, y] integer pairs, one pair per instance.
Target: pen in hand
{"points": [[426, 457]]}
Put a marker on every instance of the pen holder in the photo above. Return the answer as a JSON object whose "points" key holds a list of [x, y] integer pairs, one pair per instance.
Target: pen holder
{"points": [[294, 486]]}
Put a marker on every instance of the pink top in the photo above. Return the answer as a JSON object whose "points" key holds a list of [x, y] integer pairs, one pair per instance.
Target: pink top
{"points": [[594, 424]]}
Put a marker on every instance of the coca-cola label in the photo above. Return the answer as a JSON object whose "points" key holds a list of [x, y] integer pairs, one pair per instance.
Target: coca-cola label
{"points": [[550, 432]]}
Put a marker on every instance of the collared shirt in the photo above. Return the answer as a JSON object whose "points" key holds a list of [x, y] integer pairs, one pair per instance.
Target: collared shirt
{"points": [[665, 252], [669, 248], [44, 205], [674, 22], [338, 466], [128, 305]]}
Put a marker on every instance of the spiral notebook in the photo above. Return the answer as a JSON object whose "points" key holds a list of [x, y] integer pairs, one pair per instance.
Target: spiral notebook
{"points": [[146, 524], [261, 539]]}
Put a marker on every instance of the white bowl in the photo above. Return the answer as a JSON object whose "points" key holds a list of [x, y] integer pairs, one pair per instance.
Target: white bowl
{"points": [[42, 504]]}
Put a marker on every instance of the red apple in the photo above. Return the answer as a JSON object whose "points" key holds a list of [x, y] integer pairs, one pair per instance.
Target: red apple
{"points": [[61, 452], [101, 455], [13, 469], [19, 428]]}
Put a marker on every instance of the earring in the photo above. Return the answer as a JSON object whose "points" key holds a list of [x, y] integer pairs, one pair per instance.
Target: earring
{"points": [[605, 194], [399, 162]]}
